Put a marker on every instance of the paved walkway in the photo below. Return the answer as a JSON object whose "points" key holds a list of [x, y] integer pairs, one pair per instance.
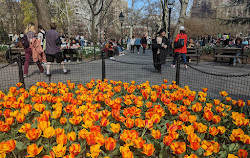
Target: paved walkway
{"points": [[142, 70]]}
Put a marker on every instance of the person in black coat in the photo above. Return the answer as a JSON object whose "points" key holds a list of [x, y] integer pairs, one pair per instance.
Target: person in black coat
{"points": [[159, 48], [144, 43]]}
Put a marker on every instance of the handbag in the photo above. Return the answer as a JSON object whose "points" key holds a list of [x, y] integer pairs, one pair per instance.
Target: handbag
{"points": [[58, 41], [179, 43]]}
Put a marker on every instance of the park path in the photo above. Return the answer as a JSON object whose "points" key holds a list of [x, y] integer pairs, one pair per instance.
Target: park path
{"points": [[139, 67]]}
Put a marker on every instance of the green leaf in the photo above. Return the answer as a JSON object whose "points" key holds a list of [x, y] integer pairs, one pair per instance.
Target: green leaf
{"points": [[20, 145], [231, 147]]}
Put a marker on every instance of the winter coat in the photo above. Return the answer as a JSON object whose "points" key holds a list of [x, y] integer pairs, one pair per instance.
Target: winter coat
{"points": [[163, 52], [137, 42], [184, 48], [51, 47], [37, 51]]}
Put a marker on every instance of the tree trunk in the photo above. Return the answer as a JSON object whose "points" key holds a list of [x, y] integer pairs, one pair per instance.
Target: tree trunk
{"points": [[93, 29], [43, 13], [183, 15]]}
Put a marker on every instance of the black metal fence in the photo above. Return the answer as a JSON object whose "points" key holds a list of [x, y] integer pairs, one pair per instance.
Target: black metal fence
{"points": [[196, 77]]}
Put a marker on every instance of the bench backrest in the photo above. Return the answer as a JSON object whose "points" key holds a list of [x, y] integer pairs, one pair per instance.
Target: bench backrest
{"points": [[228, 50], [192, 51]]}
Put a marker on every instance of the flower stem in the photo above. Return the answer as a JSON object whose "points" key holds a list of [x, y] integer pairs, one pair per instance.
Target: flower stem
{"points": [[14, 154]]}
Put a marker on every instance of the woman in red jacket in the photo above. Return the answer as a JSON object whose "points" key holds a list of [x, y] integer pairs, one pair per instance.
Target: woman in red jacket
{"points": [[182, 50]]}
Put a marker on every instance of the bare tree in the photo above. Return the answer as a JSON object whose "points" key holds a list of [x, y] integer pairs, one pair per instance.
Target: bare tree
{"points": [[96, 7], [183, 15], [43, 13], [63, 13]]}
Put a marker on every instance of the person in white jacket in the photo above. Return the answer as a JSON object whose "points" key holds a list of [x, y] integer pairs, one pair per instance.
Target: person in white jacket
{"points": [[132, 44]]}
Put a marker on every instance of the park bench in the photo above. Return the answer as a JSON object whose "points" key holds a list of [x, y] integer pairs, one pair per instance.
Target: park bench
{"points": [[222, 53], [12, 53], [71, 53], [194, 52]]}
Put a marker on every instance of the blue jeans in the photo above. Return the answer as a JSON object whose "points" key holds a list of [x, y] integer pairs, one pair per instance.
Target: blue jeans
{"points": [[238, 54], [82, 43], [183, 55]]}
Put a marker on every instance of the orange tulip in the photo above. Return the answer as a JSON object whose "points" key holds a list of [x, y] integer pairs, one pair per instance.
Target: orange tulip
{"points": [[156, 134], [33, 134], [25, 128], [213, 131], [8, 146], [59, 131], [202, 128], [139, 142], [59, 150], [33, 150], [61, 139], [221, 129], [63, 120], [178, 147], [110, 144], [242, 153], [43, 125], [75, 120], [197, 107], [115, 128], [191, 156], [49, 132], [71, 136], [83, 134], [167, 140], [104, 122], [148, 149], [94, 151], [208, 115], [129, 123], [75, 149], [216, 119], [20, 118]]}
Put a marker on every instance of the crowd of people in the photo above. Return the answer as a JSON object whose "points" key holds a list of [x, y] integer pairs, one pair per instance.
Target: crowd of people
{"points": [[45, 47]]}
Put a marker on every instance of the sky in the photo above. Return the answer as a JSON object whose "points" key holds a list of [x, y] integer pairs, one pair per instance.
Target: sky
{"points": [[177, 4]]}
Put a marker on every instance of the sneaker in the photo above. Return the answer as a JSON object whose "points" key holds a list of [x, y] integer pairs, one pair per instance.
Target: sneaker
{"points": [[138, 52], [25, 76], [112, 58], [234, 64], [66, 72], [69, 61], [185, 66], [48, 75], [65, 61], [173, 66]]}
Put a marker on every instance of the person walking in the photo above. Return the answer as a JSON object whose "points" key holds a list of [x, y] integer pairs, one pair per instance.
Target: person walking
{"points": [[53, 51], [132, 44], [144, 43], [138, 44], [159, 48], [181, 50], [82, 41], [41, 34], [27, 42]]}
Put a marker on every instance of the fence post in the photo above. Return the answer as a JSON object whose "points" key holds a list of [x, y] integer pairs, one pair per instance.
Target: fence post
{"points": [[94, 52], [20, 70], [103, 66], [178, 70]]}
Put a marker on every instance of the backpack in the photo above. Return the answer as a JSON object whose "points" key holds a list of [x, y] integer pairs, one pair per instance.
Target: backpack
{"points": [[25, 41], [43, 36]]}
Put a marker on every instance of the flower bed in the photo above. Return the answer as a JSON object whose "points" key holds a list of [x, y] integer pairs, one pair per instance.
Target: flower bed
{"points": [[115, 119]]}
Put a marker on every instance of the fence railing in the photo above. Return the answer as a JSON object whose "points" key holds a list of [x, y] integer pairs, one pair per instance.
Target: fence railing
{"points": [[237, 84]]}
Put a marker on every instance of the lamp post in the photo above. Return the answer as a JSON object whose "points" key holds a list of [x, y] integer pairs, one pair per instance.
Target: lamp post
{"points": [[121, 18], [170, 6]]}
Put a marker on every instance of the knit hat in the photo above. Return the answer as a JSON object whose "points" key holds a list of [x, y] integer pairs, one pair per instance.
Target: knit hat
{"points": [[182, 28]]}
